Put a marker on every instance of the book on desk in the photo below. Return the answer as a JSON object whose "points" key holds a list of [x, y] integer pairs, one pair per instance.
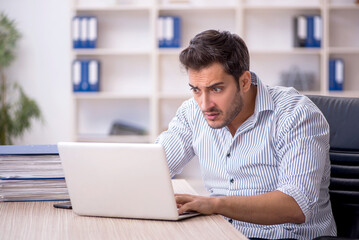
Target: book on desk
{"points": [[31, 173]]}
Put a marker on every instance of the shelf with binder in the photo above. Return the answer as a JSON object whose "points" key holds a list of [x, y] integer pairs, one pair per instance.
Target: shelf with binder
{"points": [[278, 35], [120, 75], [203, 19], [135, 69], [114, 32], [350, 72]]}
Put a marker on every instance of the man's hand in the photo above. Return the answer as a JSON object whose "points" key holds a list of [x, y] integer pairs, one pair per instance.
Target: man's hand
{"points": [[201, 204]]}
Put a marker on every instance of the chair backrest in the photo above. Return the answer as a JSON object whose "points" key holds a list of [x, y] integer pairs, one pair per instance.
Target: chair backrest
{"points": [[342, 115]]}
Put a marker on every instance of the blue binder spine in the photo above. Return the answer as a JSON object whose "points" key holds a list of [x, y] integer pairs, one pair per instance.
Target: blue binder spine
{"points": [[318, 29], [168, 31], [76, 32], [160, 31], [83, 32], [93, 76], [84, 76], [336, 74], [76, 75], [310, 32], [92, 32], [176, 32]]}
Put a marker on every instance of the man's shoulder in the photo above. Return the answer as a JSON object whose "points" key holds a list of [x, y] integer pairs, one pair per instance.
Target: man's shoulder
{"points": [[288, 102], [288, 97]]}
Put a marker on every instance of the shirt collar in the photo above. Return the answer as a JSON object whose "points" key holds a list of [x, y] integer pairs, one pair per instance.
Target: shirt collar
{"points": [[264, 100]]}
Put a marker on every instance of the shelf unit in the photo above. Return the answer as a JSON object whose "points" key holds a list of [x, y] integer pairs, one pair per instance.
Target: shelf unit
{"points": [[144, 85]]}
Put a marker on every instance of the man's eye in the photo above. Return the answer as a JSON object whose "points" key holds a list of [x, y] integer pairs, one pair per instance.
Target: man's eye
{"points": [[217, 89], [195, 90]]}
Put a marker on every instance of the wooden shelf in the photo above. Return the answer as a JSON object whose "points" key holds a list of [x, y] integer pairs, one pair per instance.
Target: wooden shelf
{"points": [[196, 7], [113, 8], [109, 95], [344, 50], [293, 51], [109, 52]]}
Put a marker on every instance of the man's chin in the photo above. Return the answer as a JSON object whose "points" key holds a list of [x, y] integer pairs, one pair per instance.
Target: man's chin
{"points": [[215, 124]]}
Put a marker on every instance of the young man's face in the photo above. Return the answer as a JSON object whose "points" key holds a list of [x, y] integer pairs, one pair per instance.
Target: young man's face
{"points": [[217, 95]]}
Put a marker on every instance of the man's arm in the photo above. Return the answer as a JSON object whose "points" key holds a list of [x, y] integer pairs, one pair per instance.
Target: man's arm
{"points": [[269, 208]]}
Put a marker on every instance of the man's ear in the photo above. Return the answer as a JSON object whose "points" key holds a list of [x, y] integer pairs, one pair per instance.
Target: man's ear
{"points": [[245, 81]]}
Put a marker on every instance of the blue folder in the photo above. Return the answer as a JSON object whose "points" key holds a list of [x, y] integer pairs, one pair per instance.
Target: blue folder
{"points": [[28, 150]]}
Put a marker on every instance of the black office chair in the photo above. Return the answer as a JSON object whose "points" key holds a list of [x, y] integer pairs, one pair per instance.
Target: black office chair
{"points": [[342, 115]]}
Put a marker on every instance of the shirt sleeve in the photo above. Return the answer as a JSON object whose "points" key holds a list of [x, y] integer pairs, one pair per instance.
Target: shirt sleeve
{"points": [[177, 140], [304, 155]]}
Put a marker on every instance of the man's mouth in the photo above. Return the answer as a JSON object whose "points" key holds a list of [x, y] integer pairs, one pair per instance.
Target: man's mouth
{"points": [[211, 116]]}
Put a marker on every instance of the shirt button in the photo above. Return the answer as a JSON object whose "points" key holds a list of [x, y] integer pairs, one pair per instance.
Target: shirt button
{"points": [[230, 221], [228, 155], [232, 180]]}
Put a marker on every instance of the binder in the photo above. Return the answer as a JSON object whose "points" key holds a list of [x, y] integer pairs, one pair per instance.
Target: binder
{"points": [[307, 31], [318, 29], [160, 32], [300, 31], [76, 32], [76, 75], [176, 32], [83, 32], [93, 75], [169, 32], [92, 32], [336, 74], [314, 31], [84, 85], [86, 75]]}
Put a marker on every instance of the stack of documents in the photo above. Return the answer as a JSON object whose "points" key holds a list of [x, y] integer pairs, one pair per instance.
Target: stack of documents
{"points": [[31, 173]]}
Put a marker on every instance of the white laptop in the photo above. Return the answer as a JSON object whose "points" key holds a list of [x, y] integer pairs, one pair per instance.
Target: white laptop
{"points": [[119, 180]]}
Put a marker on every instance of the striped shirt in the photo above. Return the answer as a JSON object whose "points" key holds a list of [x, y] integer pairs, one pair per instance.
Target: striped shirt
{"points": [[283, 146]]}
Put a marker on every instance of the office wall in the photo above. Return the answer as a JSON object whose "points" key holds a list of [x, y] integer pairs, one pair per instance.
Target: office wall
{"points": [[42, 66]]}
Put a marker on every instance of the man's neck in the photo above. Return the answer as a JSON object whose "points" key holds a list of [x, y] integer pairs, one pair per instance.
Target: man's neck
{"points": [[249, 102]]}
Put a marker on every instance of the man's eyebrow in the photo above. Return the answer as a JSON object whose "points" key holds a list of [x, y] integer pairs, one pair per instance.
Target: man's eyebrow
{"points": [[210, 86], [192, 86]]}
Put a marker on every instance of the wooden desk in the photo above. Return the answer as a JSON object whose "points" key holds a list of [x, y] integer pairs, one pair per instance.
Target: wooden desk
{"points": [[40, 220]]}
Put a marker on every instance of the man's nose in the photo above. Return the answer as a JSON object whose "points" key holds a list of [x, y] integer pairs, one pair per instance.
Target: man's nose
{"points": [[206, 103]]}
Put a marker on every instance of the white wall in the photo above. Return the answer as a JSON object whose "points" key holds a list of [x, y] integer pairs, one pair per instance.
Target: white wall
{"points": [[42, 66]]}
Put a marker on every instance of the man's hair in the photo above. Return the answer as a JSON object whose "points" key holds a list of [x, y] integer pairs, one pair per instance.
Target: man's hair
{"points": [[212, 46]]}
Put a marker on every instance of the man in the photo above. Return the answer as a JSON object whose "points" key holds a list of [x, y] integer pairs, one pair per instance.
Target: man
{"points": [[263, 151]]}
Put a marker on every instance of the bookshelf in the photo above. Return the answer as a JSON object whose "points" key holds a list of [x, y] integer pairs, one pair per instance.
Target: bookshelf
{"points": [[144, 85]]}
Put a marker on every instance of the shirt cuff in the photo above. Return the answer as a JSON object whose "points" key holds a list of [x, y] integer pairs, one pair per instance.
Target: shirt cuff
{"points": [[300, 198]]}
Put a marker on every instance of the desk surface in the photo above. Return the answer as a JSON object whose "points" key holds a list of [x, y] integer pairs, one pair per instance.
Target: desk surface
{"points": [[40, 220]]}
